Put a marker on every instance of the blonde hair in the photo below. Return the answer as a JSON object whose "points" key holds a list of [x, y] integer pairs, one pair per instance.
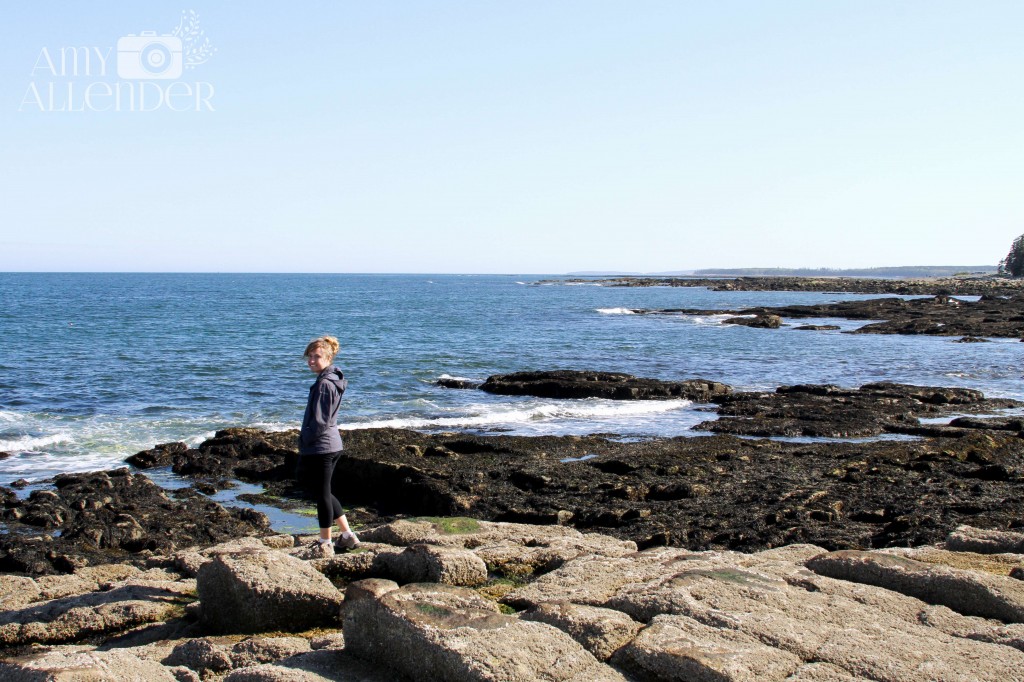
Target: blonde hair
{"points": [[328, 344]]}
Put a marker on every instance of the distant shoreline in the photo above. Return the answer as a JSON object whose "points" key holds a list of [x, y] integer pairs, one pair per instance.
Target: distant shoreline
{"points": [[972, 285], [897, 272]]}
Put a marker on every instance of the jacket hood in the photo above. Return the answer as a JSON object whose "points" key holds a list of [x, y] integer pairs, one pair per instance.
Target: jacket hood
{"points": [[333, 375]]}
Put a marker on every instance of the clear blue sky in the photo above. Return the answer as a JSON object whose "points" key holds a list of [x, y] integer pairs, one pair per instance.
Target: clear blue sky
{"points": [[525, 136]]}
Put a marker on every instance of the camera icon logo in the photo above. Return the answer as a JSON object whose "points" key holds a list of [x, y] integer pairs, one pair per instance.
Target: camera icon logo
{"points": [[148, 55]]}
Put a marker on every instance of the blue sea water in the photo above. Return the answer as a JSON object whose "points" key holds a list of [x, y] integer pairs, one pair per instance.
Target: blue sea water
{"points": [[95, 367]]}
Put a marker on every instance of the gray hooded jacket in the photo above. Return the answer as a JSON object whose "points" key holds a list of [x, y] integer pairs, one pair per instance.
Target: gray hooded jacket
{"points": [[319, 433]]}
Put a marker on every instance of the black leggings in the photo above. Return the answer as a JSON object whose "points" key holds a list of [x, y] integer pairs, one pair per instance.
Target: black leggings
{"points": [[314, 473]]}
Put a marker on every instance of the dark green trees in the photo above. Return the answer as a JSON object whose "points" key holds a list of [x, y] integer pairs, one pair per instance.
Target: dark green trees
{"points": [[1013, 264]]}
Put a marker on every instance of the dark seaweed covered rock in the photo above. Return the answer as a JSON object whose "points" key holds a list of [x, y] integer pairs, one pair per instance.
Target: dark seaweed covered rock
{"points": [[109, 516], [158, 456], [611, 385], [249, 454], [833, 412]]}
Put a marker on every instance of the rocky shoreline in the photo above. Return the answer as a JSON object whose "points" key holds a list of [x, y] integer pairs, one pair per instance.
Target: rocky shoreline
{"points": [[459, 599], [738, 555], [739, 489], [942, 315], [967, 285]]}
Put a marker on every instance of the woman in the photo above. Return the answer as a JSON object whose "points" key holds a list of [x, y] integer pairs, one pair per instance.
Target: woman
{"points": [[319, 441]]}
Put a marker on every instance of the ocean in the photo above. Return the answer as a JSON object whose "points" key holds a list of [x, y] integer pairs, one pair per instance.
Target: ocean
{"points": [[96, 367]]}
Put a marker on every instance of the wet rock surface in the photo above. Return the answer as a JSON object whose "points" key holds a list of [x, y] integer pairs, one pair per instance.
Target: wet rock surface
{"points": [[610, 385], [722, 491], [707, 492], [107, 516], [829, 411], [940, 315], [792, 614]]}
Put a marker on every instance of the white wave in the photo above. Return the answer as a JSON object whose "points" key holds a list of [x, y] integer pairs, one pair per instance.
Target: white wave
{"points": [[449, 377], [33, 443], [616, 311], [40, 466], [714, 319], [11, 417], [486, 415], [583, 284]]}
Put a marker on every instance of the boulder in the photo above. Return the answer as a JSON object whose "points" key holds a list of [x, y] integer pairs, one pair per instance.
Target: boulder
{"points": [[259, 591], [418, 563], [458, 635], [968, 592], [445, 565]]}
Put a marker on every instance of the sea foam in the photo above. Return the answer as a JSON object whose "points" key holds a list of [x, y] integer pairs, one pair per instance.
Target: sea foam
{"points": [[504, 415]]}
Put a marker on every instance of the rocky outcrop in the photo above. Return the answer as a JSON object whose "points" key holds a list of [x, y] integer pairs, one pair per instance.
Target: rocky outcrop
{"points": [[610, 385], [261, 591], [455, 382], [763, 321], [767, 618], [659, 614], [834, 412], [940, 315], [249, 454]]}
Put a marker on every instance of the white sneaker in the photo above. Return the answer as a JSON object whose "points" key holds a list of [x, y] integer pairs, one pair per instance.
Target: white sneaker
{"points": [[348, 540]]}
